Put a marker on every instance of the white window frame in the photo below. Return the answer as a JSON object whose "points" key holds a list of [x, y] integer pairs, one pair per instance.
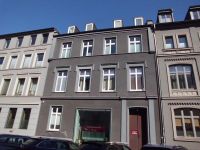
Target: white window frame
{"points": [[110, 45], [51, 113], [62, 79], [87, 46], [42, 62], [16, 86], [128, 67], [135, 43], [84, 76], [24, 58], [166, 19], [185, 137], [1, 65], [65, 50], [109, 77], [164, 39], [29, 84], [187, 46], [138, 18], [2, 83], [11, 58]]}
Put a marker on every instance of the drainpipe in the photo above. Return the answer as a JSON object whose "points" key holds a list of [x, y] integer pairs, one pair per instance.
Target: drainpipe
{"points": [[160, 107]]}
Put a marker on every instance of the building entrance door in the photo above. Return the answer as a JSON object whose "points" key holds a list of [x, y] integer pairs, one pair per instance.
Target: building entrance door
{"points": [[138, 134]]}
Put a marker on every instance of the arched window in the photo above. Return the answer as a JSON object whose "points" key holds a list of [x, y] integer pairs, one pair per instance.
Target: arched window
{"points": [[182, 77], [187, 122]]}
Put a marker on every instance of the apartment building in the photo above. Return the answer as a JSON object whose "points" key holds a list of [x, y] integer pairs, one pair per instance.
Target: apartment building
{"points": [[178, 60], [23, 68], [101, 85]]}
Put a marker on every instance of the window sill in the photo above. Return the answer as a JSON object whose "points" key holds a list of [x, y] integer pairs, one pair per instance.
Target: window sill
{"points": [[82, 91], [187, 139], [108, 91], [52, 130], [136, 91], [176, 49]]}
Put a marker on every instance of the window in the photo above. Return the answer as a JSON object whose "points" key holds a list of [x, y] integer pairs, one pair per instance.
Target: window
{"points": [[13, 62], [45, 38], [187, 122], [182, 77], [20, 86], [11, 118], [164, 18], [169, 42], [87, 48], [136, 81], [27, 61], [110, 46], [39, 59], [195, 14], [5, 86], [139, 21], [33, 86], [33, 39], [66, 50], [84, 80], [20, 40], [25, 118], [108, 79], [1, 62], [7, 42], [61, 81], [55, 118], [182, 39], [135, 44]]}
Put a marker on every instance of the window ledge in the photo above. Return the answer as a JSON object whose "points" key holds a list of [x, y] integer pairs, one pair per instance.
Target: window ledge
{"points": [[136, 91], [52, 130], [82, 92], [192, 139], [177, 49], [108, 91]]}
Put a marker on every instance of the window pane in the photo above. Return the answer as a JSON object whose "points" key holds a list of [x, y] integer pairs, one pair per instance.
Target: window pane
{"points": [[87, 84], [11, 117], [33, 86], [112, 83], [181, 81], [13, 62], [39, 59], [197, 126], [182, 41], [33, 39], [173, 81], [177, 112], [81, 83], [25, 118], [105, 83], [27, 61], [20, 39], [140, 82], [179, 127], [45, 38], [188, 128], [20, 86], [133, 82], [169, 42], [5, 87]]}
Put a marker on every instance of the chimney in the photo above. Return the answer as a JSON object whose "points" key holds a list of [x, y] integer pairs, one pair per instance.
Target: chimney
{"points": [[118, 23], [90, 27], [72, 29], [149, 22]]}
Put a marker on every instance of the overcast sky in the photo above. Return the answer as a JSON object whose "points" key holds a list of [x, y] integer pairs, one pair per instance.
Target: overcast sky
{"points": [[25, 15]]}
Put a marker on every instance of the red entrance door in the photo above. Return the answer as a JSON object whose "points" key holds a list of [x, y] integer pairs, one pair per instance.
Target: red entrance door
{"points": [[135, 132]]}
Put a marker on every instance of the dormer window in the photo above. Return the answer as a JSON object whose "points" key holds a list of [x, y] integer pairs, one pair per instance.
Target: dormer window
{"points": [[138, 21], [195, 14], [164, 18]]}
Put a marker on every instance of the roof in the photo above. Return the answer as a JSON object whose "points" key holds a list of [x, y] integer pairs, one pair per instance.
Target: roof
{"points": [[52, 29]]}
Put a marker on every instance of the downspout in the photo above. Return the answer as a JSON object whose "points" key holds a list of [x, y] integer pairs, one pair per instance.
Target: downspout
{"points": [[160, 107]]}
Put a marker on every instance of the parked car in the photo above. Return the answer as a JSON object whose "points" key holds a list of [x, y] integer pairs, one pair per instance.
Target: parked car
{"points": [[92, 145], [45, 143], [162, 147], [11, 142]]}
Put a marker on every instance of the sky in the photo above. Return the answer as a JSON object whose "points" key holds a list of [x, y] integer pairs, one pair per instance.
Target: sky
{"points": [[26, 15]]}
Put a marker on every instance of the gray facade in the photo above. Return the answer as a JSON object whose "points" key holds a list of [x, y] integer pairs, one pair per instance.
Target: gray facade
{"points": [[84, 99], [24, 61], [177, 50]]}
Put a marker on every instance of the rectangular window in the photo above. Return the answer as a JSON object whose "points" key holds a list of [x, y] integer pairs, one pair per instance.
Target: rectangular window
{"points": [[20, 86], [169, 42], [135, 44], [164, 18], [33, 39], [11, 118], [1, 62], [182, 39], [5, 86], [25, 118], [108, 79], [87, 48], [84, 80], [55, 118], [20, 40], [66, 50], [39, 59], [136, 78], [33, 86], [187, 122], [7, 42], [27, 61], [195, 14], [61, 81], [13, 62], [110, 46], [45, 38]]}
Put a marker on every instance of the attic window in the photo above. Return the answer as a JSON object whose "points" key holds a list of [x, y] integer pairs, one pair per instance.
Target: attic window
{"points": [[139, 21], [195, 14], [164, 18]]}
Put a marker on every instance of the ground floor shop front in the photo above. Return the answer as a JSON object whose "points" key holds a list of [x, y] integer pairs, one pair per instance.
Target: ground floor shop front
{"points": [[128, 121]]}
